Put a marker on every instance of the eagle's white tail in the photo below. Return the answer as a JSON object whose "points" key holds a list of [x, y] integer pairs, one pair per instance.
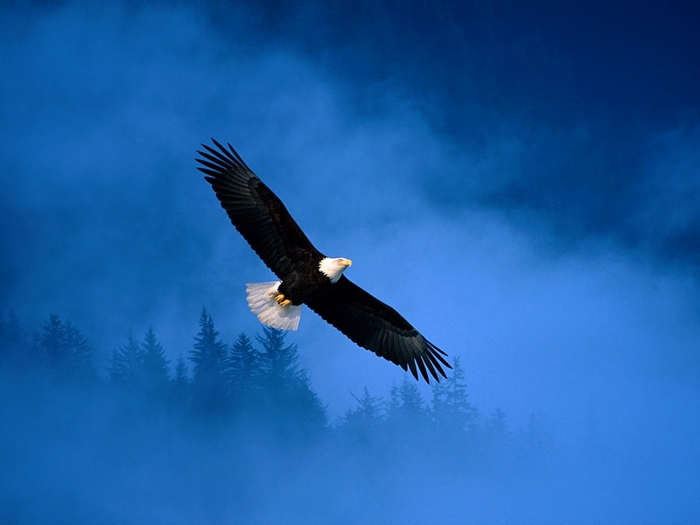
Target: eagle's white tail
{"points": [[261, 300]]}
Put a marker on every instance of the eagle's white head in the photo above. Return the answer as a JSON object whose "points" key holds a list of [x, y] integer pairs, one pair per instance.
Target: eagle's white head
{"points": [[333, 268]]}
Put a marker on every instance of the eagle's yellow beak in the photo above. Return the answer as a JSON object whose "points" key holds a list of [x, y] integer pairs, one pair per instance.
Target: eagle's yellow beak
{"points": [[346, 262]]}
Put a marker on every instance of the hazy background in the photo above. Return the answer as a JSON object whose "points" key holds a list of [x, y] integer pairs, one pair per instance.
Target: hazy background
{"points": [[521, 181]]}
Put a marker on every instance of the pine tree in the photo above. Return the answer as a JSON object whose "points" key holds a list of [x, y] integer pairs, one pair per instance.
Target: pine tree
{"points": [[406, 415], [209, 358], [496, 426], [279, 363], [68, 352], [126, 364], [156, 375], [451, 409], [367, 412], [363, 420], [287, 387], [405, 400], [53, 341], [306, 403], [244, 370], [181, 384], [496, 440]]}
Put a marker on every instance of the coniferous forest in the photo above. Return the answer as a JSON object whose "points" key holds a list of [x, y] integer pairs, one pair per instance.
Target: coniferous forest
{"points": [[232, 430]]}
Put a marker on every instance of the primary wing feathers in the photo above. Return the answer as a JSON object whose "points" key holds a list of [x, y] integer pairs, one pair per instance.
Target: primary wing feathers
{"points": [[376, 326], [255, 211]]}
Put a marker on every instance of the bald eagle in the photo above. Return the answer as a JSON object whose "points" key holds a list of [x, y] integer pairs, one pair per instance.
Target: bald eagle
{"points": [[306, 275]]}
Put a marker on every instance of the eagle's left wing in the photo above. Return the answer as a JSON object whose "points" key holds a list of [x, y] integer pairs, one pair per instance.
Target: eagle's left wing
{"points": [[255, 211], [376, 326]]}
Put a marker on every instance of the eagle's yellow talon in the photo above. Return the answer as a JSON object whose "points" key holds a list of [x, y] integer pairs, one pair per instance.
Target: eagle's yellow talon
{"points": [[281, 300]]}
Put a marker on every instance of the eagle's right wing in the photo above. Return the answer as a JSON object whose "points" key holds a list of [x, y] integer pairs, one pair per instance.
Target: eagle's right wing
{"points": [[256, 212], [376, 326]]}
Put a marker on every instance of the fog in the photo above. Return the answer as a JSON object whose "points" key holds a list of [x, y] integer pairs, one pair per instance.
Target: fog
{"points": [[520, 183]]}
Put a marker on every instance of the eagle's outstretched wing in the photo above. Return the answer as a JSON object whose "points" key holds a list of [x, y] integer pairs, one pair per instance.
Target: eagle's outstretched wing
{"points": [[376, 326], [255, 211]]}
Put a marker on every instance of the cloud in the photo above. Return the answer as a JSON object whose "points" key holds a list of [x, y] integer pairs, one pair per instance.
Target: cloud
{"points": [[670, 192]]}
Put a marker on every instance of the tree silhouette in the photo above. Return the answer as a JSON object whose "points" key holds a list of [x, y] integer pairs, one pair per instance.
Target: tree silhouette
{"points": [[68, 352], [259, 389], [496, 438], [363, 421], [244, 371], [287, 387], [53, 341], [181, 384], [368, 411], [405, 401], [406, 422], [209, 377], [126, 364], [496, 424], [141, 367], [278, 363], [451, 409], [155, 375]]}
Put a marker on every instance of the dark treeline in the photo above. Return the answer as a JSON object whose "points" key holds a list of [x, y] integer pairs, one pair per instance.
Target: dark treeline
{"points": [[260, 381], [223, 424], [233, 432]]}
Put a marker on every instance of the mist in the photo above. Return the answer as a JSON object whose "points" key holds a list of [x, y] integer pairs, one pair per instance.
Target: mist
{"points": [[521, 183]]}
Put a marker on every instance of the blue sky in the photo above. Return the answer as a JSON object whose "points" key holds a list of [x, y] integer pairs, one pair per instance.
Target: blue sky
{"points": [[522, 182]]}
